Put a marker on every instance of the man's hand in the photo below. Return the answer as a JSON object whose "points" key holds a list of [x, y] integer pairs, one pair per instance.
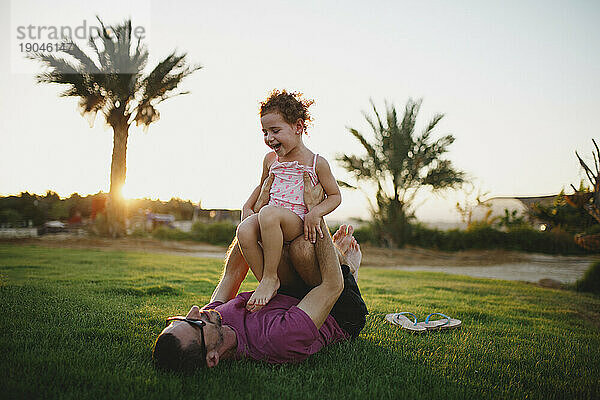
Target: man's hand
{"points": [[246, 212], [313, 195], [263, 196]]}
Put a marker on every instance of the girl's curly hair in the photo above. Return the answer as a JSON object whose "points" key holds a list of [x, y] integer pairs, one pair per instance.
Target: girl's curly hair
{"points": [[291, 105]]}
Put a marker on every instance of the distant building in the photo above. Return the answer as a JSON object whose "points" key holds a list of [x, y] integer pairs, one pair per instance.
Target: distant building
{"points": [[216, 215], [154, 220], [523, 205]]}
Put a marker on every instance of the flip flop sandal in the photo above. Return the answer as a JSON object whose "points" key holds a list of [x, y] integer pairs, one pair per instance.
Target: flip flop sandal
{"points": [[440, 324], [403, 322]]}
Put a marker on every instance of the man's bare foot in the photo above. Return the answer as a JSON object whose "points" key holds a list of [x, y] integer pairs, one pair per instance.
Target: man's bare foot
{"points": [[342, 238], [266, 290], [354, 257]]}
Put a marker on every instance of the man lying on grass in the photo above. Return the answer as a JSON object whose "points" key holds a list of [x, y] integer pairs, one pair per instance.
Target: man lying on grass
{"points": [[318, 303]]}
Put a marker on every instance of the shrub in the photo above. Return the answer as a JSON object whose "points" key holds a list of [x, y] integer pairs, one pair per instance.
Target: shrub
{"points": [[590, 282], [485, 236], [100, 225], [364, 234], [10, 216], [164, 233], [139, 233], [217, 233], [553, 242], [221, 233], [426, 237]]}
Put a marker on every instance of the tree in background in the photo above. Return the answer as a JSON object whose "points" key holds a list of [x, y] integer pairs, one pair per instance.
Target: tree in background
{"points": [[399, 163], [588, 200], [472, 200], [18, 210], [561, 215], [110, 79]]}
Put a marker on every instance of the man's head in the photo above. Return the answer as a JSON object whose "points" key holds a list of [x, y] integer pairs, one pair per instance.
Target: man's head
{"points": [[180, 346]]}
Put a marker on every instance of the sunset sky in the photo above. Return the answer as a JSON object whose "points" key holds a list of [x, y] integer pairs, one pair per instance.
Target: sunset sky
{"points": [[518, 82]]}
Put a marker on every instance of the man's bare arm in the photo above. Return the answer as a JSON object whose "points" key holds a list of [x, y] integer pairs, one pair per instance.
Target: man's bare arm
{"points": [[264, 194], [249, 206], [320, 300], [234, 272]]}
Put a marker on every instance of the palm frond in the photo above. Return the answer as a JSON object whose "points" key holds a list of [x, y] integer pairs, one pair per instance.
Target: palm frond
{"points": [[411, 110], [86, 64], [443, 175], [57, 67], [370, 149], [431, 126], [380, 123], [159, 85], [166, 76], [359, 167], [344, 184]]}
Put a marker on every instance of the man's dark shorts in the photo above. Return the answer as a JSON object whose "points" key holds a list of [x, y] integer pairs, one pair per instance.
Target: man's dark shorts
{"points": [[349, 310]]}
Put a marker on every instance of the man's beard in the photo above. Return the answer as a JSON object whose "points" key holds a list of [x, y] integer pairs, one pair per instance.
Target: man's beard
{"points": [[221, 336], [219, 325]]}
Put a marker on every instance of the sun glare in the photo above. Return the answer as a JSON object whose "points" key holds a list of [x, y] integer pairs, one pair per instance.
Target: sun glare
{"points": [[127, 193]]}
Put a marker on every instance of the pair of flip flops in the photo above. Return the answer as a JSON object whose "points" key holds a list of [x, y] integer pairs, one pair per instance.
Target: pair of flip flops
{"points": [[405, 323]]}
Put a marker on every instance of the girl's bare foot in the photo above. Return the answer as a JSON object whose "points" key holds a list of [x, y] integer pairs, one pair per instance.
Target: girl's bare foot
{"points": [[266, 290]]}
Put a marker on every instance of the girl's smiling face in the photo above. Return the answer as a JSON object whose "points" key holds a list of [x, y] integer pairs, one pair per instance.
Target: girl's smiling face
{"points": [[279, 135]]}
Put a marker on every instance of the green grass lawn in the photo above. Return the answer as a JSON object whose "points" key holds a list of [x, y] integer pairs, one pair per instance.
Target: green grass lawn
{"points": [[81, 324]]}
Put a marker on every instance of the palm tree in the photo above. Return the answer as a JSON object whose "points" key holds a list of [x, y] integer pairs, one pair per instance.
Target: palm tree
{"points": [[399, 164], [110, 79]]}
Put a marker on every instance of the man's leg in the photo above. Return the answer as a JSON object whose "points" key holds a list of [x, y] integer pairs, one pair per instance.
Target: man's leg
{"points": [[234, 272], [304, 260]]}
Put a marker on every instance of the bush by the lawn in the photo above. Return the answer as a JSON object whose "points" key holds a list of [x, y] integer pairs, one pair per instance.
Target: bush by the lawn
{"points": [[217, 233], [486, 237], [479, 237], [590, 282]]}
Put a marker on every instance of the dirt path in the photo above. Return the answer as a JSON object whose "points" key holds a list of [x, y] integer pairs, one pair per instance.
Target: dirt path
{"points": [[127, 244], [497, 264]]}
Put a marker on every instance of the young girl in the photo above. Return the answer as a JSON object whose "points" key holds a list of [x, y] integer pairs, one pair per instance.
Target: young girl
{"points": [[283, 117]]}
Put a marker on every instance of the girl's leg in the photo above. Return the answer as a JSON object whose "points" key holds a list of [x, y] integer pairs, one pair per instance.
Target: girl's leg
{"points": [[276, 225], [248, 234]]}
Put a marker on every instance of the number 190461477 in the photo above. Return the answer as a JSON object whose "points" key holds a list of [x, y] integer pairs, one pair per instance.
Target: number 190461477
{"points": [[44, 47]]}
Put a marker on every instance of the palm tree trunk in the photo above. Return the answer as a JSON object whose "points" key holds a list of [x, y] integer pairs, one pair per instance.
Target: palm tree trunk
{"points": [[117, 207]]}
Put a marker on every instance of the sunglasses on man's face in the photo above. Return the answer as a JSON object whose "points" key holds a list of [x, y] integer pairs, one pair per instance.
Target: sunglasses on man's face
{"points": [[194, 322]]}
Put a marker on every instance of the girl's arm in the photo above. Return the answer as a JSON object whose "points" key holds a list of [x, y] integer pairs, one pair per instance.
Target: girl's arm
{"points": [[248, 208], [330, 203]]}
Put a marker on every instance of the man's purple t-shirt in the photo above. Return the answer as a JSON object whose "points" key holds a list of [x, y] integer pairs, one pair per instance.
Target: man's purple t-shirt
{"points": [[279, 333]]}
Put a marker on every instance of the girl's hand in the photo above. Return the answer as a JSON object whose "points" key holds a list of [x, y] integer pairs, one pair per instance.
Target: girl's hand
{"points": [[312, 226]]}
